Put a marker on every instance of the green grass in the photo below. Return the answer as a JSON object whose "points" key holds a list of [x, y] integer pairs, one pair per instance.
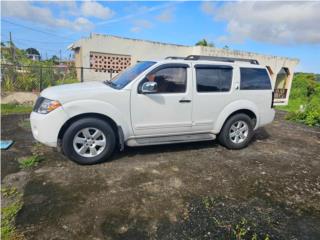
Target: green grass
{"points": [[9, 212], [15, 108], [25, 124], [9, 192], [304, 101], [28, 162]]}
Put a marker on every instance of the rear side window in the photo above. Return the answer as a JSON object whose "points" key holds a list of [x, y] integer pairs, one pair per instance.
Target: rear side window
{"points": [[213, 78], [254, 79]]}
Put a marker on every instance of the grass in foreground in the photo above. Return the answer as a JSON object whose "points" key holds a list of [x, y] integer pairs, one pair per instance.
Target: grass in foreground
{"points": [[31, 161], [15, 108], [9, 212]]}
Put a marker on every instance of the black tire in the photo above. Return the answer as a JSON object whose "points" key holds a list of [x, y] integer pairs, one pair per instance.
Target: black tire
{"points": [[224, 137], [74, 128]]}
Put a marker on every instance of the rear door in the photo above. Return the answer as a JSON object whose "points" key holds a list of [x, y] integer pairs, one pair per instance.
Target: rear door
{"points": [[213, 91]]}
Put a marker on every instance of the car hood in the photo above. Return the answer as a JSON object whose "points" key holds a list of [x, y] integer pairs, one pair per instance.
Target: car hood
{"points": [[76, 91]]}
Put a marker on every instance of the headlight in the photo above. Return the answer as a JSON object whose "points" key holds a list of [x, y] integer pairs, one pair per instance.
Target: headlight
{"points": [[44, 105]]}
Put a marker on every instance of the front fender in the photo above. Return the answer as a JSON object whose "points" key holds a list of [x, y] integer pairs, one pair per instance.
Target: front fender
{"points": [[231, 108], [78, 107]]}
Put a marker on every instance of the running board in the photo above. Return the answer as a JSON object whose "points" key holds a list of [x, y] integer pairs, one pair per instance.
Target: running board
{"points": [[170, 139]]}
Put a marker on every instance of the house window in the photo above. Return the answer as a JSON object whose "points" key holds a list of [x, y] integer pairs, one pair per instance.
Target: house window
{"points": [[104, 62]]}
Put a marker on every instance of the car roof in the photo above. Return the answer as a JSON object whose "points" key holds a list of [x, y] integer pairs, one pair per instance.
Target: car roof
{"points": [[209, 62]]}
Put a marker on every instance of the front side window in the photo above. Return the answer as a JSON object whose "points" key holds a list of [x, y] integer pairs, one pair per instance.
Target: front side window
{"points": [[169, 79], [213, 78], [124, 78], [254, 79]]}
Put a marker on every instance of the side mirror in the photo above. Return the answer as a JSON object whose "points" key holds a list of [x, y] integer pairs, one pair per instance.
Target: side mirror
{"points": [[149, 87]]}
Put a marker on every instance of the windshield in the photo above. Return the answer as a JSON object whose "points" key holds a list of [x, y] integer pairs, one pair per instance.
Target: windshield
{"points": [[122, 79]]}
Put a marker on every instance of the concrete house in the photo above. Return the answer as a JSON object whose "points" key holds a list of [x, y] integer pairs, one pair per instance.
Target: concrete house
{"points": [[103, 56]]}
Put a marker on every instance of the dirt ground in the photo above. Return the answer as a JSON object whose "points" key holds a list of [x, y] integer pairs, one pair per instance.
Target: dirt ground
{"points": [[270, 190]]}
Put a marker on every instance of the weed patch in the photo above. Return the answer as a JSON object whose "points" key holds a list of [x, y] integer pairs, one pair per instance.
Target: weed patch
{"points": [[28, 162], [9, 212]]}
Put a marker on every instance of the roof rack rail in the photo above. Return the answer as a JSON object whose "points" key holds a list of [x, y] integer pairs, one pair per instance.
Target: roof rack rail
{"points": [[221, 59], [174, 57]]}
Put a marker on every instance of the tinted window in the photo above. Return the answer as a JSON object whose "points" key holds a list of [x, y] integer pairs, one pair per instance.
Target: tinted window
{"points": [[170, 79], [129, 74], [254, 78], [213, 79]]}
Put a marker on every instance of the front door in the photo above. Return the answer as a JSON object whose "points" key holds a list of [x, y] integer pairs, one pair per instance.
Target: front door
{"points": [[169, 109]]}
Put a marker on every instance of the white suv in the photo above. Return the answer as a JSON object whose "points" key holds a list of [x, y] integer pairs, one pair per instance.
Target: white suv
{"points": [[156, 102]]}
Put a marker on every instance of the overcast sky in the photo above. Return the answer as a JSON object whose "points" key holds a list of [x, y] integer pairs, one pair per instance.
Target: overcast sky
{"points": [[289, 29]]}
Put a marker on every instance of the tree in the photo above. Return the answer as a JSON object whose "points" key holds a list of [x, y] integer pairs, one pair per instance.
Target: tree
{"points": [[32, 51], [226, 47], [54, 59], [204, 43]]}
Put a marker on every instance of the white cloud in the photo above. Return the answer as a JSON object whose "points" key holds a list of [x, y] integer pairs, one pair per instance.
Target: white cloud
{"points": [[95, 9], [140, 25], [271, 22], [24, 10], [166, 15]]}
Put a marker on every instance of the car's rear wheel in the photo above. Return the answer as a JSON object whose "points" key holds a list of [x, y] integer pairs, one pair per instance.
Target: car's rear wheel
{"points": [[236, 132], [89, 141]]}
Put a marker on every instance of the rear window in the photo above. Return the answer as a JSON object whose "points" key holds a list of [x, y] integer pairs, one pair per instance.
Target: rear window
{"points": [[254, 79], [213, 78]]}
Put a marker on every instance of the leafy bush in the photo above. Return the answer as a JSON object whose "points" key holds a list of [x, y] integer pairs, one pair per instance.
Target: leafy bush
{"points": [[27, 75], [305, 92]]}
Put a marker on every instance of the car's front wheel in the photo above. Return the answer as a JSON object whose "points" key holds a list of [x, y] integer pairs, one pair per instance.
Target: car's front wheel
{"points": [[89, 141], [236, 132]]}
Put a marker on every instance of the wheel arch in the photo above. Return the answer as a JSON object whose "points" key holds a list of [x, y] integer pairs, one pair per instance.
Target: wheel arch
{"points": [[248, 112], [103, 117], [245, 107]]}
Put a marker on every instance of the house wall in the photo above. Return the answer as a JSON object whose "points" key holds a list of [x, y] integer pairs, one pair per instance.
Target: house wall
{"points": [[137, 49], [148, 50]]}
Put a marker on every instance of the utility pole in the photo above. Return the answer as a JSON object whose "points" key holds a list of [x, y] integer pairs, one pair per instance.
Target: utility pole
{"points": [[12, 48], [60, 55]]}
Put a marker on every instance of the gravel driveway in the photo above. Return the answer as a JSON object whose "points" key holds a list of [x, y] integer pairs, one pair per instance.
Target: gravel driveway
{"points": [[184, 191]]}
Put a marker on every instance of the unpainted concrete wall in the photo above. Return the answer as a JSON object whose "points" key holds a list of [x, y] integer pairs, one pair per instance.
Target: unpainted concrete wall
{"points": [[148, 50]]}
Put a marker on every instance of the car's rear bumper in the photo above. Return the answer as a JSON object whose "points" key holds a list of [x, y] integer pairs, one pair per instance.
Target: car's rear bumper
{"points": [[266, 117], [46, 127]]}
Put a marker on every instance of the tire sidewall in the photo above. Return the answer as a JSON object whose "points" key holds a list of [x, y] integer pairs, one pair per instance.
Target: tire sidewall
{"points": [[224, 135], [67, 140]]}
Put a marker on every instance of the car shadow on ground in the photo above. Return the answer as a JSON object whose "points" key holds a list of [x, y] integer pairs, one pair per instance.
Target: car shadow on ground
{"points": [[260, 135]]}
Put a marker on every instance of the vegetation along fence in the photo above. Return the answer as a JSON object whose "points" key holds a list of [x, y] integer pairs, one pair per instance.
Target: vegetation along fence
{"points": [[36, 78]]}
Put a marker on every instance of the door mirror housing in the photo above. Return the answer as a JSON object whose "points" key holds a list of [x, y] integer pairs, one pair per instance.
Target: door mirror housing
{"points": [[149, 87]]}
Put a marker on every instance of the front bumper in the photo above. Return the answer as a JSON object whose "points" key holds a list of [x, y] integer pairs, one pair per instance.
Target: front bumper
{"points": [[46, 127]]}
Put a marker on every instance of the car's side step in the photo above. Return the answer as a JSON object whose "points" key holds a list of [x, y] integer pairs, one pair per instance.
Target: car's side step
{"points": [[170, 139]]}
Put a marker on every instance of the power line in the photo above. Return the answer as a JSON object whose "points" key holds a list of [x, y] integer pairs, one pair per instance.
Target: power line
{"points": [[33, 29], [38, 42], [26, 44], [28, 40]]}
